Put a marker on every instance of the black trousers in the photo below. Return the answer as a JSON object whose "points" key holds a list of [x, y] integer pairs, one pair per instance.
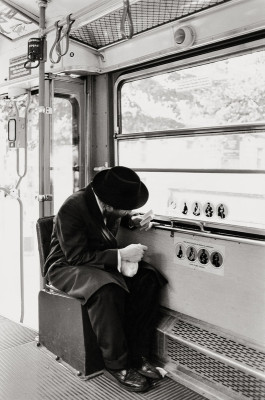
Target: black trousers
{"points": [[124, 322]]}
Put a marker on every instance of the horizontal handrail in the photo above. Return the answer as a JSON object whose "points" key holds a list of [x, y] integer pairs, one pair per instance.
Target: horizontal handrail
{"points": [[235, 129], [210, 235], [199, 224], [202, 170]]}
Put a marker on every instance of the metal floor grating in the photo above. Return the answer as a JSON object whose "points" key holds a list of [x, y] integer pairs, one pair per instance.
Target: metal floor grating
{"points": [[28, 372], [146, 14]]}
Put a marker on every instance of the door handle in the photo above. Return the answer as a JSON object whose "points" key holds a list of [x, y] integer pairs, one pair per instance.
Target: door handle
{"points": [[44, 197]]}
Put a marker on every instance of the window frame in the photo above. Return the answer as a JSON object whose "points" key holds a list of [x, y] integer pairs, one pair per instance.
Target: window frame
{"points": [[202, 59]]}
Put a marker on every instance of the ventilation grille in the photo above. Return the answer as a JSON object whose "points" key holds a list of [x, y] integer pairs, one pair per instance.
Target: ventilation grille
{"points": [[146, 14], [216, 371], [221, 345]]}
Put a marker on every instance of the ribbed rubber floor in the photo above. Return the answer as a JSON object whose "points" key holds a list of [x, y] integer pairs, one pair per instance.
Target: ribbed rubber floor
{"points": [[27, 372], [13, 334]]}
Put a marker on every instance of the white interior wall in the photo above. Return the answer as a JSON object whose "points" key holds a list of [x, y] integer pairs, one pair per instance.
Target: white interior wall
{"points": [[234, 301]]}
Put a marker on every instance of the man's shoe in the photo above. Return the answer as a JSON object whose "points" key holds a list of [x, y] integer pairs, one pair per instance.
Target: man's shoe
{"points": [[129, 379], [148, 370]]}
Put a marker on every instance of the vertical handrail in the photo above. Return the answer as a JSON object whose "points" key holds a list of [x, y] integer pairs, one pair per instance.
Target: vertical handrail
{"points": [[42, 106], [42, 23], [21, 255], [21, 176], [21, 251]]}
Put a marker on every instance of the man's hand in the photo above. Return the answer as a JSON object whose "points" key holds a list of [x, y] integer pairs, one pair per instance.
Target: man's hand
{"points": [[129, 268], [143, 221], [133, 252]]}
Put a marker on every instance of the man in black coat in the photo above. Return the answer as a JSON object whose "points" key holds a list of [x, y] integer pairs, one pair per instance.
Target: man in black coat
{"points": [[119, 289]]}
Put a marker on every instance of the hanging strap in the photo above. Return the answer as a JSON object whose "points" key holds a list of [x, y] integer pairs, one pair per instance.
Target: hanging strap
{"points": [[62, 33], [66, 33], [55, 44], [126, 14]]}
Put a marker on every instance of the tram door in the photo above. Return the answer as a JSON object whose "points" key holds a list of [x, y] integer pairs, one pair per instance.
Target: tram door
{"points": [[51, 165], [67, 142]]}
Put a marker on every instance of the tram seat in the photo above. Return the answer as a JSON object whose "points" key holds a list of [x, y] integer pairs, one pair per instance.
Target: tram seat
{"points": [[64, 325]]}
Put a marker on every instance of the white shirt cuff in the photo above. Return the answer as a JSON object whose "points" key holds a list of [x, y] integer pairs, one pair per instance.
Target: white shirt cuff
{"points": [[119, 261]]}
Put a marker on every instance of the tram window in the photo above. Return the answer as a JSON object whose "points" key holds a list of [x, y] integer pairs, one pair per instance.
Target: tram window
{"points": [[219, 93], [175, 194], [196, 136], [234, 151], [64, 149], [9, 212], [8, 174]]}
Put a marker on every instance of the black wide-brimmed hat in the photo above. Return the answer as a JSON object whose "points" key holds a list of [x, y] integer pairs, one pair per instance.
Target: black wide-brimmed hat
{"points": [[121, 188]]}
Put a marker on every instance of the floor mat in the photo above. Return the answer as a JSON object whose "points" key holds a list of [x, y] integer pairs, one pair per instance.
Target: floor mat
{"points": [[28, 372]]}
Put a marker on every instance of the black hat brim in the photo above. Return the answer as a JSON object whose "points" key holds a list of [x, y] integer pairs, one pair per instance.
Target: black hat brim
{"points": [[124, 201]]}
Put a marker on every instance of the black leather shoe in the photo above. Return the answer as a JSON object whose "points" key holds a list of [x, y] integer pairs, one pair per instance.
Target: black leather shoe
{"points": [[129, 379], [148, 370]]}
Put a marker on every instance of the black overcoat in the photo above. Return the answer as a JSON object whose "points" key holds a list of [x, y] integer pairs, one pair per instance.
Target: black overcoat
{"points": [[83, 255]]}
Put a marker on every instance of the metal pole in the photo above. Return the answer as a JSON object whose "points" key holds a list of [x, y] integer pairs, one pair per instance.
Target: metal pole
{"points": [[21, 176], [21, 247], [15, 195], [42, 6]]}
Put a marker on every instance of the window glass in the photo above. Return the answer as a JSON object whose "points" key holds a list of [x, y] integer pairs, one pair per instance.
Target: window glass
{"points": [[64, 150], [234, 151], [8, 174], [234, 199], [219, 93], [10, 215]]}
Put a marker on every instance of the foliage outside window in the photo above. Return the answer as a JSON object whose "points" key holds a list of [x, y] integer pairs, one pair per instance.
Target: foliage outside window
{"points": [[220, 93]]}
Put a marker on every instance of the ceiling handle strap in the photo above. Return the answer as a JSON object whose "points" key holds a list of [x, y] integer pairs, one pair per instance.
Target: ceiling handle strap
{"points": [[126, 14], [56, 44], [65, 35]]}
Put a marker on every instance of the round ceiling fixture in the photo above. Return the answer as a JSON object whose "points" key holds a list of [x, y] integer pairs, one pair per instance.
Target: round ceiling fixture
{"points": [[184, 36]]}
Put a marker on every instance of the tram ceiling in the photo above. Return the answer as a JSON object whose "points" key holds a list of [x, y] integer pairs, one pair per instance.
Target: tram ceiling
{"points": [[143, 16], [99, 23], [100, 30]]}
